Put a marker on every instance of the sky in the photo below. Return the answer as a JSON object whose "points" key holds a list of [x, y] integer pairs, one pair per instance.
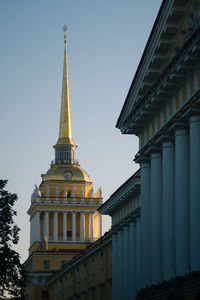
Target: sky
{"points": [[106, 40]]}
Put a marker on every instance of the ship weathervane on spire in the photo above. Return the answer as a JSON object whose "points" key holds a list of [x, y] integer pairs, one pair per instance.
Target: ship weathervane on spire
{"points": [[65, 30]]}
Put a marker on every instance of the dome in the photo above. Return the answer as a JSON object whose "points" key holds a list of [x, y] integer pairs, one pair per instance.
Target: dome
{"points": [[66, 173]]}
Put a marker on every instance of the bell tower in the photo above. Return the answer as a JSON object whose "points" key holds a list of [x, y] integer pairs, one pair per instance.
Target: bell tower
{"points": [[63, 211]]}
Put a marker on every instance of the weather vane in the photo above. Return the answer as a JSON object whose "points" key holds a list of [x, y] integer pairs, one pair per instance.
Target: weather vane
{"points": [[65, 29]]}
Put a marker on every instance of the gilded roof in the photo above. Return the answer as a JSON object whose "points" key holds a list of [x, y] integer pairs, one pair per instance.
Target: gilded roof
{"points": [[56, 172]]}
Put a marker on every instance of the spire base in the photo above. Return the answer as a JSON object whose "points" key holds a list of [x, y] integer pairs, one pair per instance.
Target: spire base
{"points": [[65, 141]]}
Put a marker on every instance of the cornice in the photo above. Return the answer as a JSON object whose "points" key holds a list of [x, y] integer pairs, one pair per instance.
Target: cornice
{"points": [[131, 186], [162, 26]]}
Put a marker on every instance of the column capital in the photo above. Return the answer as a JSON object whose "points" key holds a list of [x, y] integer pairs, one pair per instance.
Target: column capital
{"points": [[181, 131], [126, 227], [194, 118], [155, 155], [137, 220], [165, 137], [120, 231], [142, 158], [167, 144], [114, 234], [154, 149], [192, 111], [177, 126], [132, 223]]}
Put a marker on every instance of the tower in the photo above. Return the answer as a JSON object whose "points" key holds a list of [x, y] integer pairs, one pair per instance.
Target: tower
{"points": [[63, 214]]}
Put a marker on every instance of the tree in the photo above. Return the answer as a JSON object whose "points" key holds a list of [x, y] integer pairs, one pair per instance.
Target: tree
{"points": [[11, 274]]}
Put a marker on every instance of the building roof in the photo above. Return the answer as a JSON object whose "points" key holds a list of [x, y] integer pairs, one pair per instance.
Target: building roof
{"points": [[159, 50]]}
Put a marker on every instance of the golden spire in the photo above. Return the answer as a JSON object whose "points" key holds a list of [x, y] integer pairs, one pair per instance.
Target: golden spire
{"points": [[65, 133]]}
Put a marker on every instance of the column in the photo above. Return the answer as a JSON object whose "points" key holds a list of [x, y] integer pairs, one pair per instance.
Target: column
{"points": [[125, 276], [138, 255], [46, 224], [120, 265], [55, 226], [100, 225], [145, 223], [181, 201], [115, 262], [194, 193], [37, 216], [73, 226], [64, 226], [168, 210], [91, 226], [132, 260], [82, 226], [156, 217], [31, 231]]}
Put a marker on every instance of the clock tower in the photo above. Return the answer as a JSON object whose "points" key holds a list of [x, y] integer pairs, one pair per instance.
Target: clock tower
{"points": [[63, 213]]}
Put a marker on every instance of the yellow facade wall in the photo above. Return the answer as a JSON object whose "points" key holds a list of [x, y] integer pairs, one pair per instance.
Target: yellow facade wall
{"points": [[35, 292], [75, 282]]}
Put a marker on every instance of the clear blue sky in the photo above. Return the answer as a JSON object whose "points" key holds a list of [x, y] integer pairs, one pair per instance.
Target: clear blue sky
{"points": [[105, 42]]}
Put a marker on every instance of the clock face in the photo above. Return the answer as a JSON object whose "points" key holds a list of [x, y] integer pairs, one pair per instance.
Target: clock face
{"points": [[68, 175]]}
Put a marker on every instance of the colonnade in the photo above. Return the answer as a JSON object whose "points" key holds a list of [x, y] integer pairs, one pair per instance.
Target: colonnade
{"points": [[164, 242], [170, 204], [42, 224], [126, 253]]}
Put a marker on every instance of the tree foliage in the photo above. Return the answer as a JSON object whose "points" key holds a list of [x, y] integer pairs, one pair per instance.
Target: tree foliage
{"points": [[11, 277]]}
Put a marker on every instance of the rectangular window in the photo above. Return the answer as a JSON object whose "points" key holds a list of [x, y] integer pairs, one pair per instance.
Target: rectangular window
{"points": [[93, 268], [44, 294], [102, 293], [93, 293], [85, 271], [85, 296], [60, 286], [78, 276], [46, 264], [66, 282], [102, 261], [51, 293], [71, 279], [56, 289], [69, 235]]}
